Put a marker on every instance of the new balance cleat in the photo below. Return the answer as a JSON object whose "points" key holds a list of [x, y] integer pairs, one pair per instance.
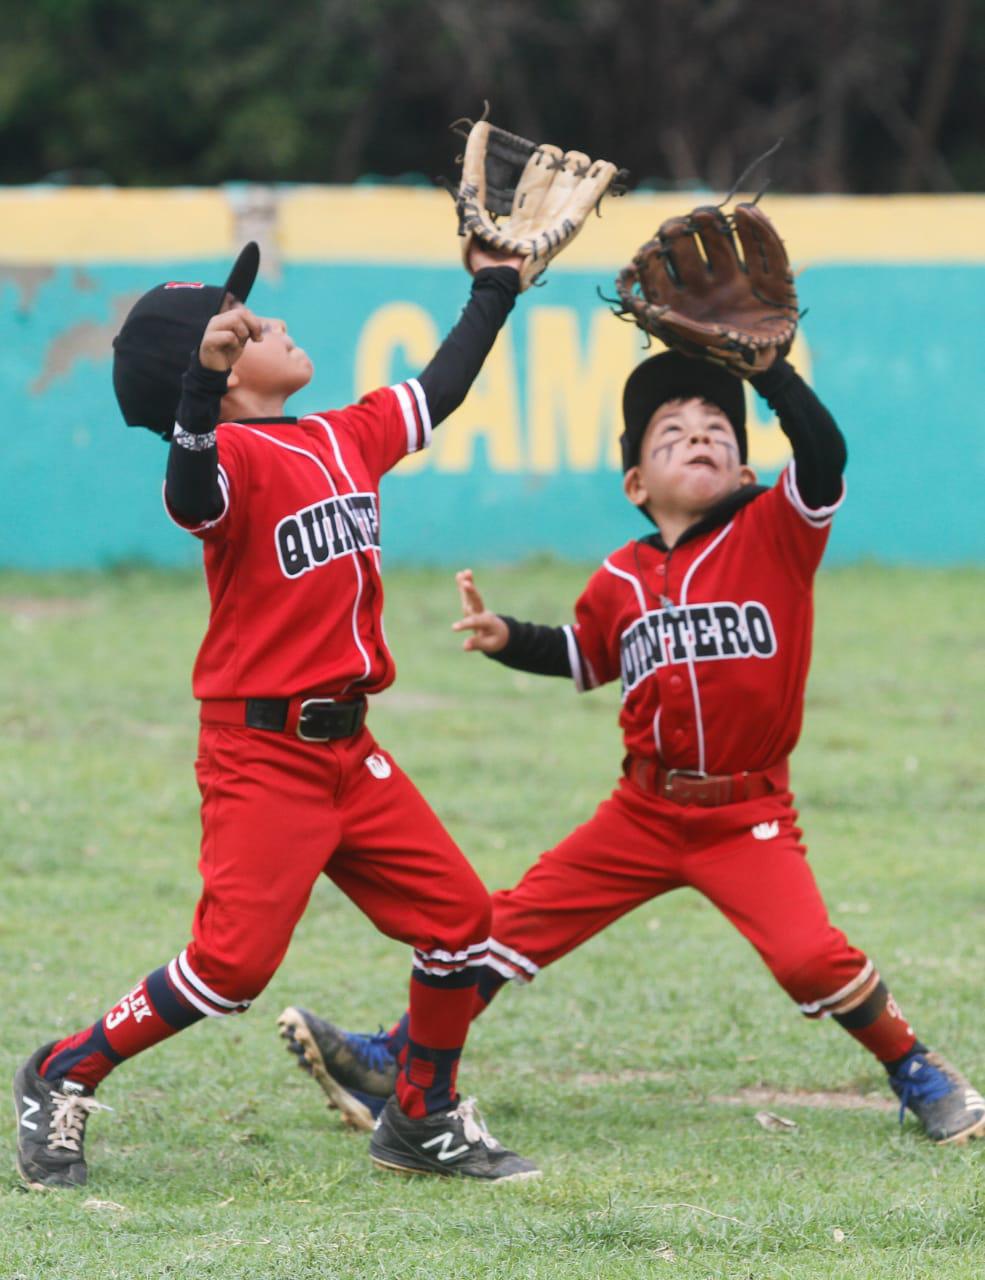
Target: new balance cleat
{"points": [[944, 1102], [51, 1121], [452, 1144], [358, 1073]]}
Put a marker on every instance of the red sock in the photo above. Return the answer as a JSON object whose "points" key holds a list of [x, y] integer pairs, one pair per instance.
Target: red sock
{"points": [[878, 1024]]}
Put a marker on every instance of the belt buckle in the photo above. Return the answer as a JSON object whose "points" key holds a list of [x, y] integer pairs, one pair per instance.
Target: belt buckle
{"points": [[688, 775], [312, 702]]}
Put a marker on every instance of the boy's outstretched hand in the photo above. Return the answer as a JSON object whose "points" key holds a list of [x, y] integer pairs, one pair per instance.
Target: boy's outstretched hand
{"points": [[490, 632], [226, 335]]}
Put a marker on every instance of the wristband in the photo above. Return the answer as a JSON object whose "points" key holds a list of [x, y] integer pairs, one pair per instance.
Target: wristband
{"points": [[189, 440]]}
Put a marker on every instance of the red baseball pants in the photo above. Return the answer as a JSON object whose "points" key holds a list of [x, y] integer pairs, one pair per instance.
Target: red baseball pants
{"points": [[746, 858], [277, 813]]}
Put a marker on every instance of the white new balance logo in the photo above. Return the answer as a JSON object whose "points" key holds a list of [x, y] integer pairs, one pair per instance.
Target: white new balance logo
{"points": [[445, 1140], [766, 830], [31, 1108]]}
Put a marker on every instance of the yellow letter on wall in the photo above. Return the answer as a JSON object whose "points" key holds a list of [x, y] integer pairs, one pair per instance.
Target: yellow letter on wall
{"points": [[574, 397], [399, 326], [490, 410]]}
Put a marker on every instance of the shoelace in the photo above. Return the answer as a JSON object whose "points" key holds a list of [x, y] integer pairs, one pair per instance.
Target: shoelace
{"points": [[930, 1085], [374, 1051], [68, 1119], [473, 1125]]}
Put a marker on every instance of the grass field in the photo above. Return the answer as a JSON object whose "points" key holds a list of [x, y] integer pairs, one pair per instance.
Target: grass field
{"points": [[636, 1088]]}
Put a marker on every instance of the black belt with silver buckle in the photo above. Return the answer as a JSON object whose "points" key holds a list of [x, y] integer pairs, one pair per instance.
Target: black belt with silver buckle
{"points": [[319, 719]]}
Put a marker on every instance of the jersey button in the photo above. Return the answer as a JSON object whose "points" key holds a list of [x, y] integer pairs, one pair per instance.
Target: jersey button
{"points": [[675, 682]]}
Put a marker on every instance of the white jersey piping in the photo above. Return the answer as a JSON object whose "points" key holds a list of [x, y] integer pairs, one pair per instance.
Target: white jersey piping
{"points": [[205, 524], [817, 517], [689, 647], [422, 404], [354, 559]]}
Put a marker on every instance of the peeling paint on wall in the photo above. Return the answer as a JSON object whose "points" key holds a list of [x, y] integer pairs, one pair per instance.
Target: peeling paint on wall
{"points": [[87, 340]]}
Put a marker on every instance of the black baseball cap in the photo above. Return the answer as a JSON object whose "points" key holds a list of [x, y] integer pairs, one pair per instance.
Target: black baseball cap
{"points": [[155, 345], [671, 376]]}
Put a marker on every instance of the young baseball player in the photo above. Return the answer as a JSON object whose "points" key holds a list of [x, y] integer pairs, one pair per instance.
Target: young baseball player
{"points": [[293, 783], [707, 624]]}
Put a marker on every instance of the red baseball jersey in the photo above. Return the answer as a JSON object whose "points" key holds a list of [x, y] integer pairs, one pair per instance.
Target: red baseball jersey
{"points": [[711, 640], [293, 559]]}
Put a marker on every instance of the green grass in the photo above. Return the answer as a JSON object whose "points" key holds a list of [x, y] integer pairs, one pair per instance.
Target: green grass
{"points": [[220, 1159]]}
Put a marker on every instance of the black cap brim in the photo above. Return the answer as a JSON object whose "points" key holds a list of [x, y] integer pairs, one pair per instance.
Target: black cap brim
{"points": [[241, 278]]}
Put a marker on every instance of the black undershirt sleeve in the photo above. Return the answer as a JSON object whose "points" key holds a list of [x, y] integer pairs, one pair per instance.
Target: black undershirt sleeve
{"points": [[543, 651], [192, 483], [457, 361], [818, 446]]}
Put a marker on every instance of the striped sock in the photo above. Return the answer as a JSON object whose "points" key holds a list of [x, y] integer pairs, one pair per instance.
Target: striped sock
{"points": [[878, 1023], [438, 1022], [150, 1013]]}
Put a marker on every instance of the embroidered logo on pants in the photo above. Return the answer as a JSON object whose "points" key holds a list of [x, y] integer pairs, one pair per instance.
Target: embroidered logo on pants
{"points": [[377, 766], [766, 830]]}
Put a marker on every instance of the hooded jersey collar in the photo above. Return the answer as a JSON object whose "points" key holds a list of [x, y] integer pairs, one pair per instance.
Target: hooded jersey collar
{"points": [[721, 513]]}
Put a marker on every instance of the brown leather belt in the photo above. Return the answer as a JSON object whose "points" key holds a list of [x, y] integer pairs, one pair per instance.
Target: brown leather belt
{"points": [[311, 719], [709, 790]]}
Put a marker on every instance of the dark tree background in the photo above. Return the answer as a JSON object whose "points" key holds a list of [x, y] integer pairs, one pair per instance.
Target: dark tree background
{"points": [[871, 95]]}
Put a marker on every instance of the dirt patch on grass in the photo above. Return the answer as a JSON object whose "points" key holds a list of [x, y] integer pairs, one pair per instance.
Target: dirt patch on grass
{"points": [[822, 1100], [598, 1079], [43, 608]]}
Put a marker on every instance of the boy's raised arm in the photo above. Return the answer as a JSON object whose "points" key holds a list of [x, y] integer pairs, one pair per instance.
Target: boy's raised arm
{"points": [[191, 487], [818, 446], [456, 364]]}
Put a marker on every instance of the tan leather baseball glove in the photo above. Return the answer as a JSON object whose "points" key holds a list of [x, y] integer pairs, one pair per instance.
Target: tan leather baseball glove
{"points": [[525, 198]]}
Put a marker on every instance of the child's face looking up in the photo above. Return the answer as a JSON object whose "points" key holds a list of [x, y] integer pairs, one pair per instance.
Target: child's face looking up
{"points": [[689, 460], [274, 366]]}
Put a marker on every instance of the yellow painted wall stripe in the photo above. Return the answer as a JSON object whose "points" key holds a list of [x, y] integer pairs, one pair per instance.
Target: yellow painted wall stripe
{"points": [[416, 226], [55, 225]]}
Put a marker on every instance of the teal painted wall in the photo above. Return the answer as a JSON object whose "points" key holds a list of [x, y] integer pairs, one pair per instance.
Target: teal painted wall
{"points": [[79, 490]]}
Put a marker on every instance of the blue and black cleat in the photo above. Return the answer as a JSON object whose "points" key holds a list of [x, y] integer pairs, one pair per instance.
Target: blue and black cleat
{"points": [[357, 1072], [944, 1102]]}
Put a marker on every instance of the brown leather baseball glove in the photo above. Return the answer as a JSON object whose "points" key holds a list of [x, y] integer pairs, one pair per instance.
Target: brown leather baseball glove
{"points": [[690, 288], [540, 194]]}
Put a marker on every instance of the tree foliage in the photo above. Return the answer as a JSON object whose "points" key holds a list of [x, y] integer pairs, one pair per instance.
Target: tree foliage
{"points": [[871, 95]]}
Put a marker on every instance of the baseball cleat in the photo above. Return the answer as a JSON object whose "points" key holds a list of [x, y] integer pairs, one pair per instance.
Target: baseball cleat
{"points": [[51, 1121], [357, 1072], [947, 1106], [452, 1144]]}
